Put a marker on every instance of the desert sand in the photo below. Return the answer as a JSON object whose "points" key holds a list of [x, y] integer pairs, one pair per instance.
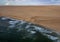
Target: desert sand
{"points": [[48, 16]]}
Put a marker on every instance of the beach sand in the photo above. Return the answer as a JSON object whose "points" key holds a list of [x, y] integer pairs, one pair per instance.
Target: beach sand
{"points": [[48, 16]]}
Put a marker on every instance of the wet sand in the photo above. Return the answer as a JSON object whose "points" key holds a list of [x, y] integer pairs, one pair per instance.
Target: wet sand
{"points": [[48, 16]]}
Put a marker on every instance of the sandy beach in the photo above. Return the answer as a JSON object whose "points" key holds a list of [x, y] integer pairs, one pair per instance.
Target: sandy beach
{"points": [[48, 16]]}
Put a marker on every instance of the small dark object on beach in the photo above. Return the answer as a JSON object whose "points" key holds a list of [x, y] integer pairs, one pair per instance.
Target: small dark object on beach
{"points": [[12, 30]]}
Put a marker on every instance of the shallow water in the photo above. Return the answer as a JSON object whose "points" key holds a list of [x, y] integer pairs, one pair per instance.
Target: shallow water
{"points": [[21, 33]]}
